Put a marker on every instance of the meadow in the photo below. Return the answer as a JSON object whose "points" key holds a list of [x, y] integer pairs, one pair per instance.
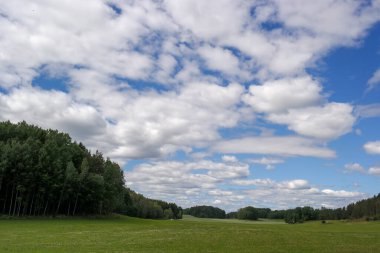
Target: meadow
{"points": [[126, 234]]}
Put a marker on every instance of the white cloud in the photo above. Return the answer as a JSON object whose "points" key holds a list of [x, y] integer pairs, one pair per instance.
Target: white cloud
{"points": [[86, 34], [374, 171], [131, 124], [281, 95], [327, 122], [208, 19], [374, 80], [283, 146], [256, 182], [327, 17], [220, 59], [229, 158], [354, 167], [269, 162], [185, 181], [341, 193], [297, 184], [63, 113], [372, 147], [207, 182], [298, 192]]}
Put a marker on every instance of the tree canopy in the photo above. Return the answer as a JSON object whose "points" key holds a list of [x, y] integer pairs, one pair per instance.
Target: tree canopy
{"points": [[205, 212], [44, 172]]}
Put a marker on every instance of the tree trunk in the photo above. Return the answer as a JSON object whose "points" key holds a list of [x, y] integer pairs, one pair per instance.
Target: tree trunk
{"points": [[31, 205], [6, 198], [15, 204], [26, 205], [1, 181], [75, 205], [47, 202], [60, 198], [19, 207], [68, 209], [10, 205]]}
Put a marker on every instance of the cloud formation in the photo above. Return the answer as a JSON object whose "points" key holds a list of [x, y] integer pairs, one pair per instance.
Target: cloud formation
{"points": [[356, 167], [147, 79], [372, 147], [226, 184], [282, 146]]}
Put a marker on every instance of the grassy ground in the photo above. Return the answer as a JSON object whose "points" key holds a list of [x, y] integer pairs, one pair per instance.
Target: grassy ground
{"points": [[188, 235]]}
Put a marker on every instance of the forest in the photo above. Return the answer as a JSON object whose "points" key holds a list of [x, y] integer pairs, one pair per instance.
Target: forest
{"points": [[205, 212], [368, 209], [136, 205], [45, 173]]}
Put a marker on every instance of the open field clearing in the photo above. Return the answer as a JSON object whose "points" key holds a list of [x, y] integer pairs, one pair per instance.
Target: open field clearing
{"points": [[127, 234]]}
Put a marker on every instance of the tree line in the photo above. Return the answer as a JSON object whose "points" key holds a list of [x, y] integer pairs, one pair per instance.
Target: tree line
{"points": [[43, 172], [205, 212], [368, 209], [136, 205]]}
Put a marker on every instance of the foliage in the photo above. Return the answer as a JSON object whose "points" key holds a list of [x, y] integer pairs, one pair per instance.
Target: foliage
{"points": [[43, 172], [205, 212], [136, 205], [231, 215], [368, 209], [248, 213]]}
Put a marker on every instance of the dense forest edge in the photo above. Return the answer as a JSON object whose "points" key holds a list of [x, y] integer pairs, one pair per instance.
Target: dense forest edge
{"points": [[45, 173]]}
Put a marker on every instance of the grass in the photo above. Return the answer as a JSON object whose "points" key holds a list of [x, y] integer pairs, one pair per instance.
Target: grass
{"points": [[125, 234]]}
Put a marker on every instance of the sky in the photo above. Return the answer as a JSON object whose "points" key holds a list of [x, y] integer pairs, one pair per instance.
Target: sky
{"points": [[230, 103]]}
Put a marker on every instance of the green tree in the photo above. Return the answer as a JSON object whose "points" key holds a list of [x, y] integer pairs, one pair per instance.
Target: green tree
{"points": [[247, 213]]}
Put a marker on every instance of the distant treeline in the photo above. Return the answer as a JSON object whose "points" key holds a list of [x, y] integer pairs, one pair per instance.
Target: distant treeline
{"points": [[205, 212], [137, 205], [43, 172], [368, 209]]}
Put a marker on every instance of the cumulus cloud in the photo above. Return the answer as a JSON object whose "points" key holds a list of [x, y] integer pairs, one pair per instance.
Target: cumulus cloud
{"points": [[372, 147], [63, 112], [272, 145], [299, 104], [220, 59], [298, 192], [187, 182], [129, 125], [327, 122], [374, 171], [283, 94], [227, 185]]}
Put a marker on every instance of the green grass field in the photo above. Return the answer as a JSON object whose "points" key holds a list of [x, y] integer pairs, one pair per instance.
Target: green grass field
{"points": [[125, 234]]}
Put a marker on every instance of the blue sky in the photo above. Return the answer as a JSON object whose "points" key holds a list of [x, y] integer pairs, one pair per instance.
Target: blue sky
{"points": [[226, 103]]}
